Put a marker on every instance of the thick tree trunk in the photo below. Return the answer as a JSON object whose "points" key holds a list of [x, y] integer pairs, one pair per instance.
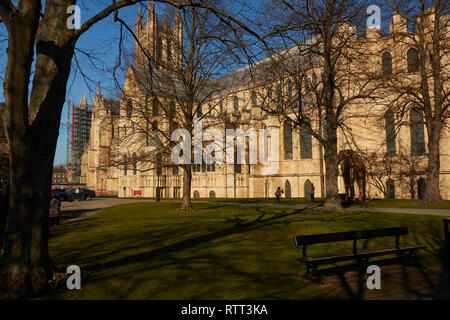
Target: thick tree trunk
{"points": [[25, 266], [332, 200], [4, 203], [186, 204], [432, 192], [32, 127]]}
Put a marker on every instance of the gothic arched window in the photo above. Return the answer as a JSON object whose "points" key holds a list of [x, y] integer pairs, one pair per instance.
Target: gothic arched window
{"points": [[287, 138], [390, 189], [306, 84], [417, 132], [266, 143], [212, 194], [390, 133], [125, 169], [305, 142], [155, 107], [236, 104], [387, 64], [254, 100], [134, 164], [196, 194], [290, 87], [413, 61], [169, 51], [314, 80], [129, 109]]}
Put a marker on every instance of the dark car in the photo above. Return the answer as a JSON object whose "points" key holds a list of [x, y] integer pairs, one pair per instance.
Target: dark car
{"points": [[83, 194], [63, 195]]}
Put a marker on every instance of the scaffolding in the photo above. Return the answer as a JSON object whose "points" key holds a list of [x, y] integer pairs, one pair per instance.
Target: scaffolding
{"points": [[77, 136]]}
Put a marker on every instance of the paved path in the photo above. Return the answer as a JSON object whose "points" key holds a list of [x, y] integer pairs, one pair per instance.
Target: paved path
{"points": [[98, 204], [94, 206], [435, 212]]}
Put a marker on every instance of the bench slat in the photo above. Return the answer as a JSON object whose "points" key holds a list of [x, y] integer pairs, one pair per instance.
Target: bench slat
{"points": [[361, 254], [350, 235]]}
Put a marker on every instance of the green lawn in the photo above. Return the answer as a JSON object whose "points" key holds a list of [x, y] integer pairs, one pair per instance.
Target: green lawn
{"points": [[71, 214], [154, 251], [404, 203], [384, 203]]}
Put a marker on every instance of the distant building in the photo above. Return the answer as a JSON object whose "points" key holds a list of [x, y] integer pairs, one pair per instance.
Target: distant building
{"points": [[396, 150], [59, 176], [77, 139]]}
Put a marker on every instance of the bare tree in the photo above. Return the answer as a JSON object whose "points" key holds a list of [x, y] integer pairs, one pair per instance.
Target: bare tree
{"points": [[32, 123], [420, 87], [324, 63], [170, 87]]}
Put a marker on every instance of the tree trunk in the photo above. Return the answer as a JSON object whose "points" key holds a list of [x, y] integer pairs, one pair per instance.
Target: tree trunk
{"points": [[4, 201], [186, 204], [25, 266], [432, 191], [32, 128], [332, 200]]}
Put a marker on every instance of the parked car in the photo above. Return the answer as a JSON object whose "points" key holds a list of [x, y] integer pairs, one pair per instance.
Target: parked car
{"points": [[83, 194], [63, 195]]}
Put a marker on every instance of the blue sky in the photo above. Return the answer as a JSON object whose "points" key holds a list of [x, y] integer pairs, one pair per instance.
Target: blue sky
{"points": [[101, 42]]}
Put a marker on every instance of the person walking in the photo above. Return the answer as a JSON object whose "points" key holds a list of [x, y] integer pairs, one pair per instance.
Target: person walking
{"points": [[278, 194], [55, 208], [311, 192]]}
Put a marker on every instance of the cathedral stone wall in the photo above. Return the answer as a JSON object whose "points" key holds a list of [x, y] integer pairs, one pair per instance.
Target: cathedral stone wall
{"points": [[366, 120]]}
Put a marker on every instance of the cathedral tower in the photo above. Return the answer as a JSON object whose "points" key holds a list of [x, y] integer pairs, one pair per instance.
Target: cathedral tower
{"points": [[161, 41]]}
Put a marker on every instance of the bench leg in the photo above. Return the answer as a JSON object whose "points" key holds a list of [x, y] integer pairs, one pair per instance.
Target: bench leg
{"points": [[312, 273], [406, 257], [362, 263], [308, 268]]}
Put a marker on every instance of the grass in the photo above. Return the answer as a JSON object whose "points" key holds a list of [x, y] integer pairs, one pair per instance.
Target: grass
{"points": [[71, 214], [155, 251], [383, 203], [404, 203]]}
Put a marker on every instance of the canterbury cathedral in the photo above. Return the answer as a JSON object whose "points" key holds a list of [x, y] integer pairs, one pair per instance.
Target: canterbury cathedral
{"points": [[126, 157]]}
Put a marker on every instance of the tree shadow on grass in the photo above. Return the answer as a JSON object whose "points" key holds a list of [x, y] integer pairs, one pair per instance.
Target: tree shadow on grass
{"points": [[412, 280], [238, 226]]}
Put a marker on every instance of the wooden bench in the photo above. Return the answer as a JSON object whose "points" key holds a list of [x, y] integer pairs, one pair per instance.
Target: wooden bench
{"points": [[360, 256]]}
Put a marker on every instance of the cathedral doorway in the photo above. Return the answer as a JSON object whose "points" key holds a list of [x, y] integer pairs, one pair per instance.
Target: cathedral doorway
{"points": [[287, 189], [421, 187], [307, 188]]}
